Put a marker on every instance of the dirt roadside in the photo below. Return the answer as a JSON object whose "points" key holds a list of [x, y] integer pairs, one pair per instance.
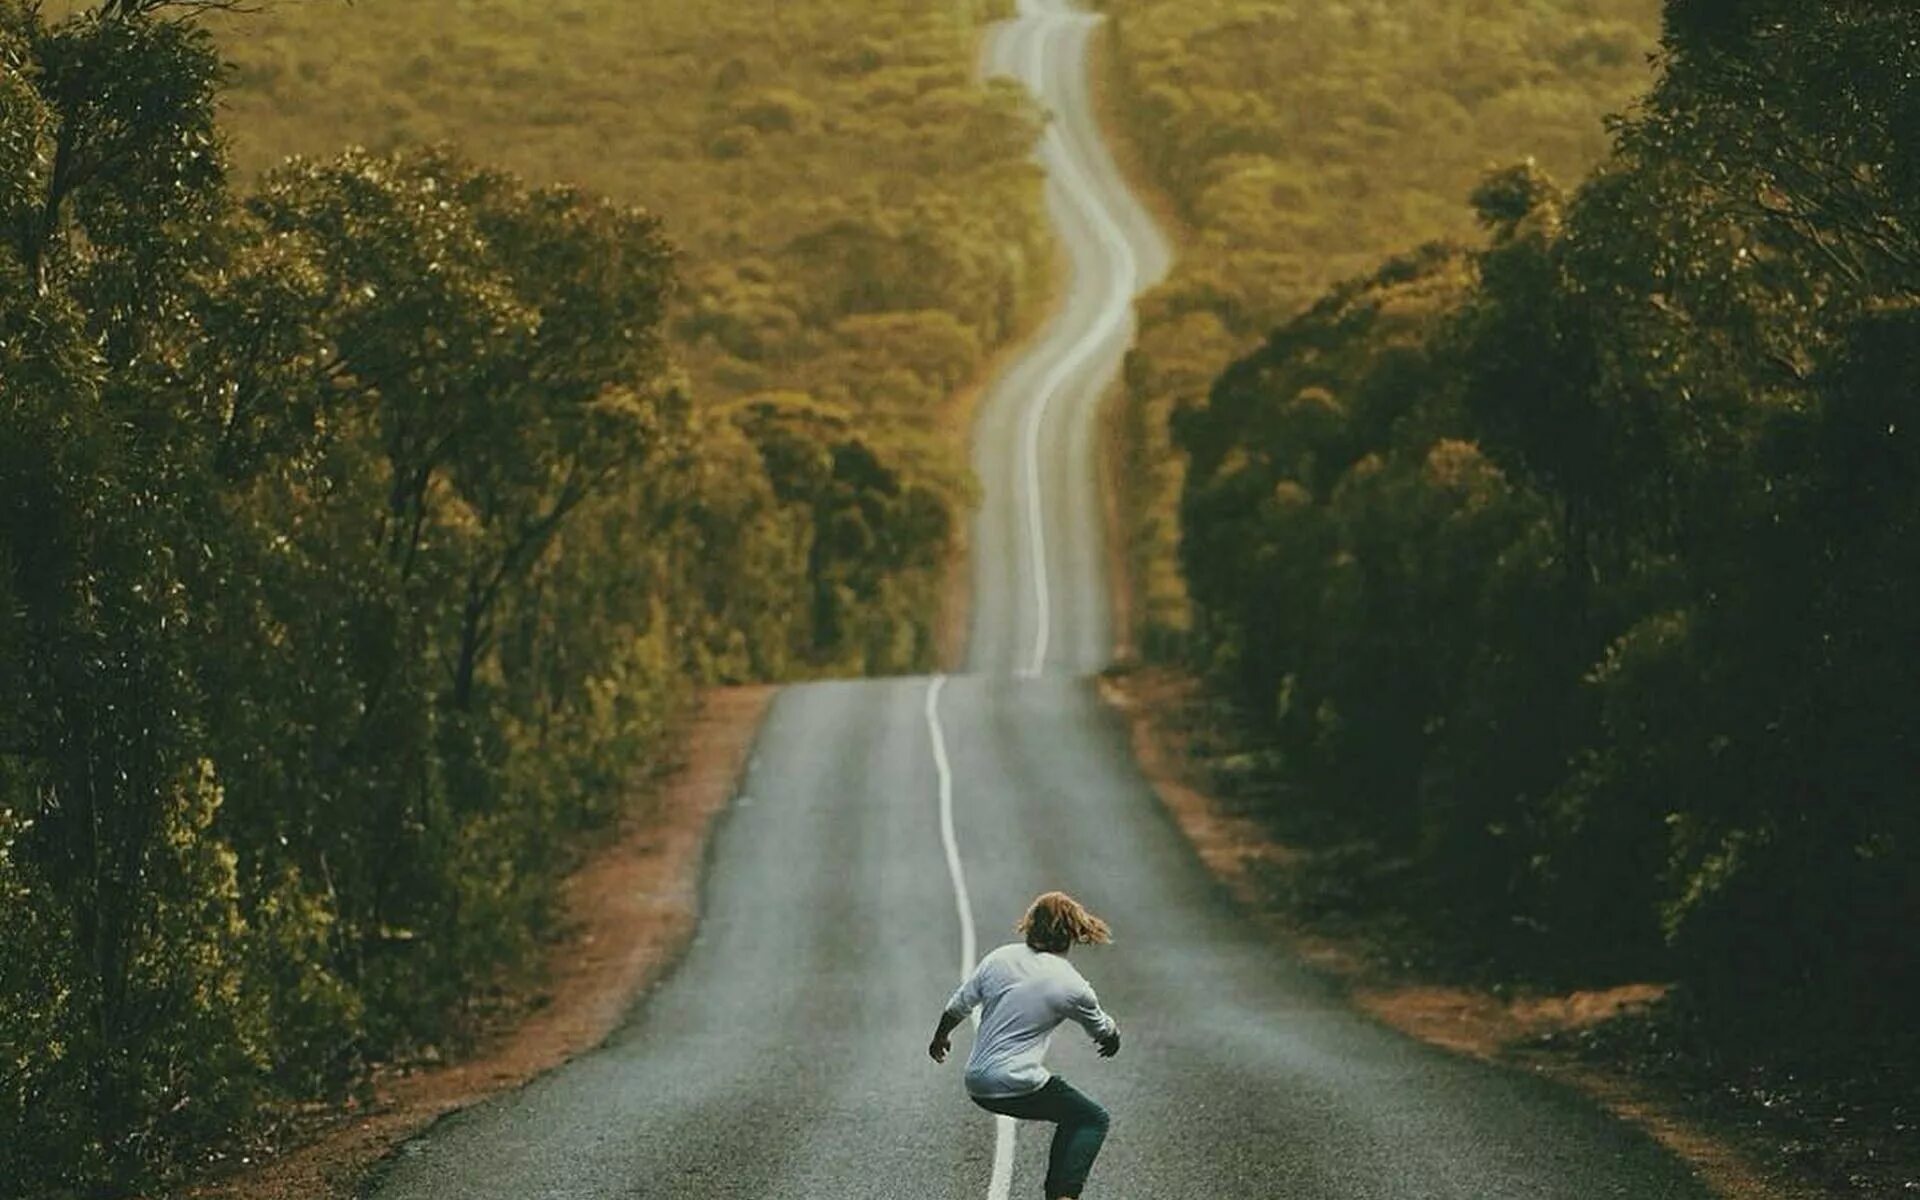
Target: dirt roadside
{"points": [[628, 912], [1530, 1031], [1533, 1032]]}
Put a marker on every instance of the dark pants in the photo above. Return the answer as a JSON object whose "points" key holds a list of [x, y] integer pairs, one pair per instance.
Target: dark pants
{"points": [[1080, 1126]]}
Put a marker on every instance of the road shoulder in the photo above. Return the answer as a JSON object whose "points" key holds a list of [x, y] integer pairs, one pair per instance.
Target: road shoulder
{"points": [[629, 910], [1519, 1028]]}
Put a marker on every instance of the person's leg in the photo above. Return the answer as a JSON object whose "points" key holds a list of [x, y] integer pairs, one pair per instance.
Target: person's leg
{"points": [[1080, 1130], [1030, 1107]]}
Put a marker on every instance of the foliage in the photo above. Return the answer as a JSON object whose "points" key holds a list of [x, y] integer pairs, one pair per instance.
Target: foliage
{"points": [[360, 536], [1302, 142], [1593, 551], [857, 215]]}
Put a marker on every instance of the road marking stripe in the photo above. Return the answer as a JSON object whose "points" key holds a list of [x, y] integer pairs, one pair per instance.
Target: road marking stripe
{"points": [[1001, 1182], [969, 949]]}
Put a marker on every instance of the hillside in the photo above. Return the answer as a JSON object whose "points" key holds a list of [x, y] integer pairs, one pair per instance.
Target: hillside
{"points": [[1300, 143], [854, 213]]}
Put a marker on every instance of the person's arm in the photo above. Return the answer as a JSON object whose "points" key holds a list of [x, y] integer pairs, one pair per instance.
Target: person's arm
{"points": [[1084, 1007], [938, 1048], [965, 999]]}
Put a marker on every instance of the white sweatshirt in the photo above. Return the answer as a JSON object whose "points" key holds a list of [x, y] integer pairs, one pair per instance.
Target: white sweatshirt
{"points": [[1022, 993]]}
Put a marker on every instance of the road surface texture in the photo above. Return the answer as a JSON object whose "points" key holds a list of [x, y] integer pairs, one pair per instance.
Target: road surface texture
{"points": [[888, 831]]}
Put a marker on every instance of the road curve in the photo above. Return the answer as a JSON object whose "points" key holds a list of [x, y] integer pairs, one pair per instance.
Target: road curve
{"points": [[783, 1057], [1040, 581]]}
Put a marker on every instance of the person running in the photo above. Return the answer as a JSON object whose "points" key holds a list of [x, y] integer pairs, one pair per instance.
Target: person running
{"points": [[1024, 990]]}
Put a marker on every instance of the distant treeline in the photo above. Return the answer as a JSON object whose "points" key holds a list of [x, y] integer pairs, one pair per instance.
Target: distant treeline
{"points": [[1580, 571], [359, 539]]}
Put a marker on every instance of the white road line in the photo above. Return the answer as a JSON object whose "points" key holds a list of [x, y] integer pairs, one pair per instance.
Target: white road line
{"points": [[1000, 1184], [969, 948], [1115, 312], [1001, 1181]]}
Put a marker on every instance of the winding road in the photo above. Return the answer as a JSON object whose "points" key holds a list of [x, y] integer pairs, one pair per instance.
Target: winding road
{"points": [[887, 831]]}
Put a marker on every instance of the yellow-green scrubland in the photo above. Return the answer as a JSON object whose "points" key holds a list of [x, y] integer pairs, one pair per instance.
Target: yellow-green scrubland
{"points": [[855, 211]]}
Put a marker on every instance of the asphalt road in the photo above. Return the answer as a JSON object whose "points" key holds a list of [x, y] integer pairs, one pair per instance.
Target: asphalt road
{"points": [[887, 830]]}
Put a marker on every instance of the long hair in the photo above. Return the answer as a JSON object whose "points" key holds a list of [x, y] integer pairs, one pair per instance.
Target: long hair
{"points": [[1055, 921]]}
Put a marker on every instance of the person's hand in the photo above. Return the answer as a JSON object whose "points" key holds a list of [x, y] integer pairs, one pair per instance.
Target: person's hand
{"points": [[1110, 1045], [937, 1049]]}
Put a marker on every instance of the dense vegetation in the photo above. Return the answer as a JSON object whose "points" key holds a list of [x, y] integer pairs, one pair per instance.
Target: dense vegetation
{"points": [[857, 217], [1581, 570], [360, 533], [1301, 142]]}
